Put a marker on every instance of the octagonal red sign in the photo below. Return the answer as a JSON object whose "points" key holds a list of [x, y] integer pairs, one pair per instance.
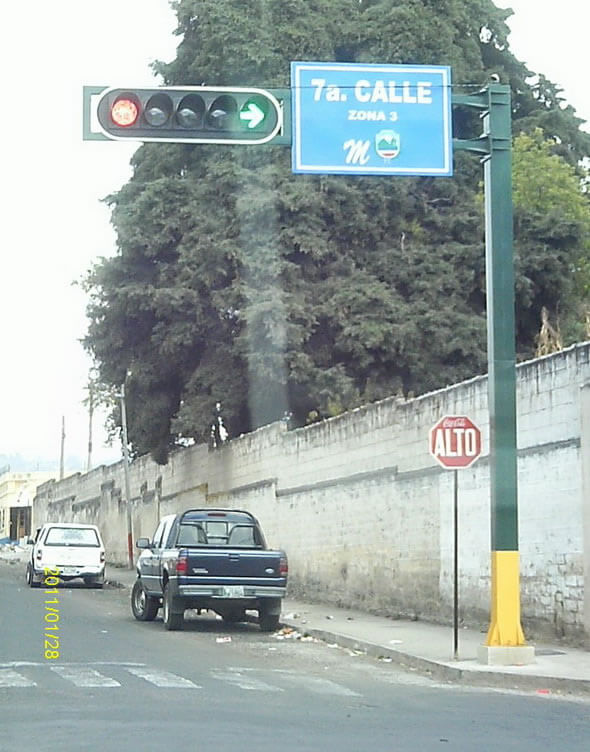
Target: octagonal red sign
{"points": [[455, 441]]}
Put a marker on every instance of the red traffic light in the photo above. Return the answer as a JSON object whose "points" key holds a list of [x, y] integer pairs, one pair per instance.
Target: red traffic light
{"points": [[124, 111]]}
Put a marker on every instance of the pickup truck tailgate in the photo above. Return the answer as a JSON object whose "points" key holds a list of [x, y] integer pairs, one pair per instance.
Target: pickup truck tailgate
{"points": [[235, 566]]}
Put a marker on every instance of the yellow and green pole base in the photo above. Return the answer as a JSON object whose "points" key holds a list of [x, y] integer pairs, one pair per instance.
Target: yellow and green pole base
{"points": [[505, 643]]}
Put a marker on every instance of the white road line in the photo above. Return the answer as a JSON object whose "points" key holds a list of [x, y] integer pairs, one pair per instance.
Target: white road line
{"points": [[241, 679], [311, 683], [317, 685], [16, 664], [162, 678], [82, 676], [10, 678]]}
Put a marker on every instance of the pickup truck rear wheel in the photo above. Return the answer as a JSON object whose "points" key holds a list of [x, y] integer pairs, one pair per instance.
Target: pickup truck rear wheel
{"points": [[173, 619], [144, 606], [268, 622]]}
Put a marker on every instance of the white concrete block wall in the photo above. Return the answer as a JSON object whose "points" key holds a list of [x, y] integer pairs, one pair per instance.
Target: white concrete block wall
{"points": [[551, 537], [366, 515]]}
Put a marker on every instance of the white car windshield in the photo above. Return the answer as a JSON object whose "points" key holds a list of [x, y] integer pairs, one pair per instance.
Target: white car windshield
{"points": [[72, 536]]}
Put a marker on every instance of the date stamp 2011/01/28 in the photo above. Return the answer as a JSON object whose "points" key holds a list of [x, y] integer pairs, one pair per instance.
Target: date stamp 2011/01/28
{"points": [[51, 621]]}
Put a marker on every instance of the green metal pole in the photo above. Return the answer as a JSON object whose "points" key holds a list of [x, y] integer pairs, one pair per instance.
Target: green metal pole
{"points": [[505, 628], [500, 317]]}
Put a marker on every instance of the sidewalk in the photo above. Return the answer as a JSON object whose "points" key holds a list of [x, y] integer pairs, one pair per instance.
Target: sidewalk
{"points": [[427, 648]]}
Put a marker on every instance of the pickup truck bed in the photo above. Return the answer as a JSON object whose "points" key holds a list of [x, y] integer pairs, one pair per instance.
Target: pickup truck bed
{"points": [[215, 559]]}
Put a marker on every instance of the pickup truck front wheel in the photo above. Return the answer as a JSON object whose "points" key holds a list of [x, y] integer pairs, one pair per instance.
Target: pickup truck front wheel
{"points": [[144, 607], [173, 619]]}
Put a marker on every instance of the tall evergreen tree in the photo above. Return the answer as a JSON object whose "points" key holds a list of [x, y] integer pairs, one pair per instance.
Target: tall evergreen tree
{"points": [[238, 281]]}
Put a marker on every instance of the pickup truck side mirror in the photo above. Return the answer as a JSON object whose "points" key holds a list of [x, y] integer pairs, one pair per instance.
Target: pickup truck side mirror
{"points": [[30, 542], [143, 543]]}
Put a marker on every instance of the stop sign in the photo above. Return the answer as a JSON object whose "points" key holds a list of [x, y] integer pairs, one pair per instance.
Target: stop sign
{"points": [[455, 441]]}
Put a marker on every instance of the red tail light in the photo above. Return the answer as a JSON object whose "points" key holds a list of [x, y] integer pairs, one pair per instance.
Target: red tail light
{"points": [[182, 565], [283, 566]]}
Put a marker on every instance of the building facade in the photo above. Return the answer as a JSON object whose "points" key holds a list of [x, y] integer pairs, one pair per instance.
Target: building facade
{"points": [[17, 491]]}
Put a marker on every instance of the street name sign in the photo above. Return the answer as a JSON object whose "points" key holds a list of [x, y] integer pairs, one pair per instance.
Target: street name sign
{"points": [[357, 119], [455, 442]]}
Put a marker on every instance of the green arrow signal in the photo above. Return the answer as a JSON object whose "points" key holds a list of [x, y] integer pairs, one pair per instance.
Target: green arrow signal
{"points": [[252, 114]]}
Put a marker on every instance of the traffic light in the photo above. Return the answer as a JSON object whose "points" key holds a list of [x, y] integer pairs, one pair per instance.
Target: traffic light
{"points": [[190, 114]]}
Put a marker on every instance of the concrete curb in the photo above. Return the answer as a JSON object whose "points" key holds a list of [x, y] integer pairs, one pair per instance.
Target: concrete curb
{"points": [[446, 673]]}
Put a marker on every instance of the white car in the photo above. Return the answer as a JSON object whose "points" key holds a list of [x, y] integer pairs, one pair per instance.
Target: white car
{"points": [[70, 549]]}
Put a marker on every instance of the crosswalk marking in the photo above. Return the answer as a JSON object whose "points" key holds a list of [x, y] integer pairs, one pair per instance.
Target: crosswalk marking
{"points": [[82, 676], [315, 684], [10, 678], [244, 680], [162, 678]]}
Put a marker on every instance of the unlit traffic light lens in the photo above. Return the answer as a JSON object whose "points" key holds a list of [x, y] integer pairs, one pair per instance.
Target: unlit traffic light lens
{"points": [[190, 111], [124, 112], [222, 113], [158, 110]]}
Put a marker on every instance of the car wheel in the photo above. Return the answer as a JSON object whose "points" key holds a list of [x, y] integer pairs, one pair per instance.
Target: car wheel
{"points": [[144, 607], [173, 620], [31, 577], [268, 622]]}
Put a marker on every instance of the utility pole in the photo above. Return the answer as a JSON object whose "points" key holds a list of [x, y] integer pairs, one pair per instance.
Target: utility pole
{"points": [[63, 441], [127, 482], [90, 415], [505, 643]]}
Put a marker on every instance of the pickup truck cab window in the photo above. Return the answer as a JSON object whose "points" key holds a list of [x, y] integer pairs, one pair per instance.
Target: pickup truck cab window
{"points": [[217, 533], [157, 539], [242, 536], [191, 534], [162, 535]]}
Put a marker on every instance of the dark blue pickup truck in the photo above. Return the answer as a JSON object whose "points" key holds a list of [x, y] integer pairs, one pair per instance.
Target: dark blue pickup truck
{"points": [[214, 559]]}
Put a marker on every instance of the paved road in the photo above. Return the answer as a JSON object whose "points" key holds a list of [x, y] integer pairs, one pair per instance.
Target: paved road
{"points": [[122, 685]]}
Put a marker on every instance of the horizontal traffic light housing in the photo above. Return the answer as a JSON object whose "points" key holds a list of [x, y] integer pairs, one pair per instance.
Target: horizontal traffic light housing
{"points": [[190, 114]]}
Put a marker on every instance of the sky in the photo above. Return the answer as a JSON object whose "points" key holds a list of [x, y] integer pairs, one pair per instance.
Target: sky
{"points": [[54, 225]]}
